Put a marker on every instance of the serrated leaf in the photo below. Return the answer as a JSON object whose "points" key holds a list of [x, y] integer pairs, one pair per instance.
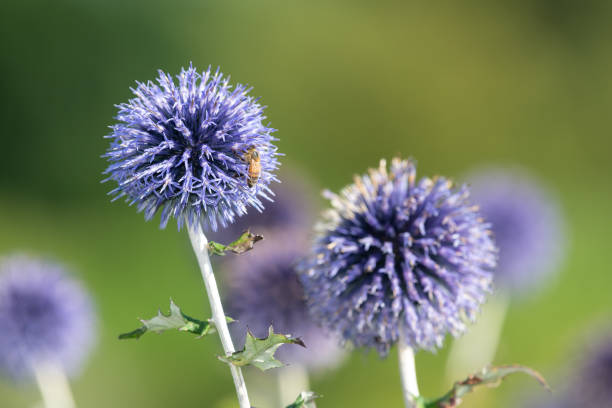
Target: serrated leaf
{"points": [[243, 244], [489, 376], [305, 400], [260, 352], [175, 320]]}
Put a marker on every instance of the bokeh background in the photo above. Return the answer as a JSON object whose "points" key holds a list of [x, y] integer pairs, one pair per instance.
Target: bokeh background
{"points": [[452, 84]]}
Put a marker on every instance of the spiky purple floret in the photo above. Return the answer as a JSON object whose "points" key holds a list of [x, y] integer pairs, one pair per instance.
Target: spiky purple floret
{"points": [[44, 317], [264, 290], [526, 225], [399, 256], [180, 148]]}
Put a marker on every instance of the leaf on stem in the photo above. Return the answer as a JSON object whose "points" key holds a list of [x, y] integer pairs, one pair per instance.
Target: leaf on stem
{"points": [[489, 376], [175, 320], [305, 400], [243, 244], [260, 352]]}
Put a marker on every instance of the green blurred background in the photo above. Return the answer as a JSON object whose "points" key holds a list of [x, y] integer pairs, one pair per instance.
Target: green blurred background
{"points": [[452, 84]]}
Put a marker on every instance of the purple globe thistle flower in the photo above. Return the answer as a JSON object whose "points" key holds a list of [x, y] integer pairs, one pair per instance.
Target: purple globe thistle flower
{"points": [[264, 289], [526, 225], [44, 317], [399, 256], [197, 149]]}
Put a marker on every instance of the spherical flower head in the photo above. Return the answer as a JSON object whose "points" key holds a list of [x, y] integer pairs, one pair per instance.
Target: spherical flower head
{"points": [[45, 317], [399, 258], [264, 290], [526, 224], [196, 149]]}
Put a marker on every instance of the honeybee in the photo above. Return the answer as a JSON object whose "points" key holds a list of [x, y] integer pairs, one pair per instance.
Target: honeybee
{"points": [[251, 156]]}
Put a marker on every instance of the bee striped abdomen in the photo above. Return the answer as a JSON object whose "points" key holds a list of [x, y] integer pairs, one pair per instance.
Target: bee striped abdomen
{"points": [[254, 163]]}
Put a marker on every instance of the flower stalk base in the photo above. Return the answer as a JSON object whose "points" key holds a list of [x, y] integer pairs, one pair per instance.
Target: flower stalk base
{"points": [[53, 385], [407, 367], [200, 247]]}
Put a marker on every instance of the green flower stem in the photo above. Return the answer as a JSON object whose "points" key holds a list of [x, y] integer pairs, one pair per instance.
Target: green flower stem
{"points": [[407, 367], [200, 247], [53, 385]]}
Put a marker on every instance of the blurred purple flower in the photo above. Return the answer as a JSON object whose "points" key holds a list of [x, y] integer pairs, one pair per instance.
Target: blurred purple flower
{"points": [[292, 209], [264, 290], [396, 255], [591, 384], [44, 317], [181, 149], [526, 224], [588, 384]]}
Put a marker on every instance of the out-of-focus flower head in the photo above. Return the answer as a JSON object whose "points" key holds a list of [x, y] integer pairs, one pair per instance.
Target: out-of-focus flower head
{"points": [[588, 381], [292, 209], [45, 317], [399, 257], [591, 383], [196, 149], [264, 290], [526, 224]]}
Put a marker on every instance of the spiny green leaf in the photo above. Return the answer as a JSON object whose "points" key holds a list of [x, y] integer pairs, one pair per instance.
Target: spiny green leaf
{"points": [[305, 400], [260, 352], [490, 376], [243, 244], [175, 320]]}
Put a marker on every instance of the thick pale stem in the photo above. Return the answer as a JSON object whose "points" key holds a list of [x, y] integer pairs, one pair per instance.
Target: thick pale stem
{"points": [[292, 380], [200, 246], [408, 375], [54, 386], [477, 348]]}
